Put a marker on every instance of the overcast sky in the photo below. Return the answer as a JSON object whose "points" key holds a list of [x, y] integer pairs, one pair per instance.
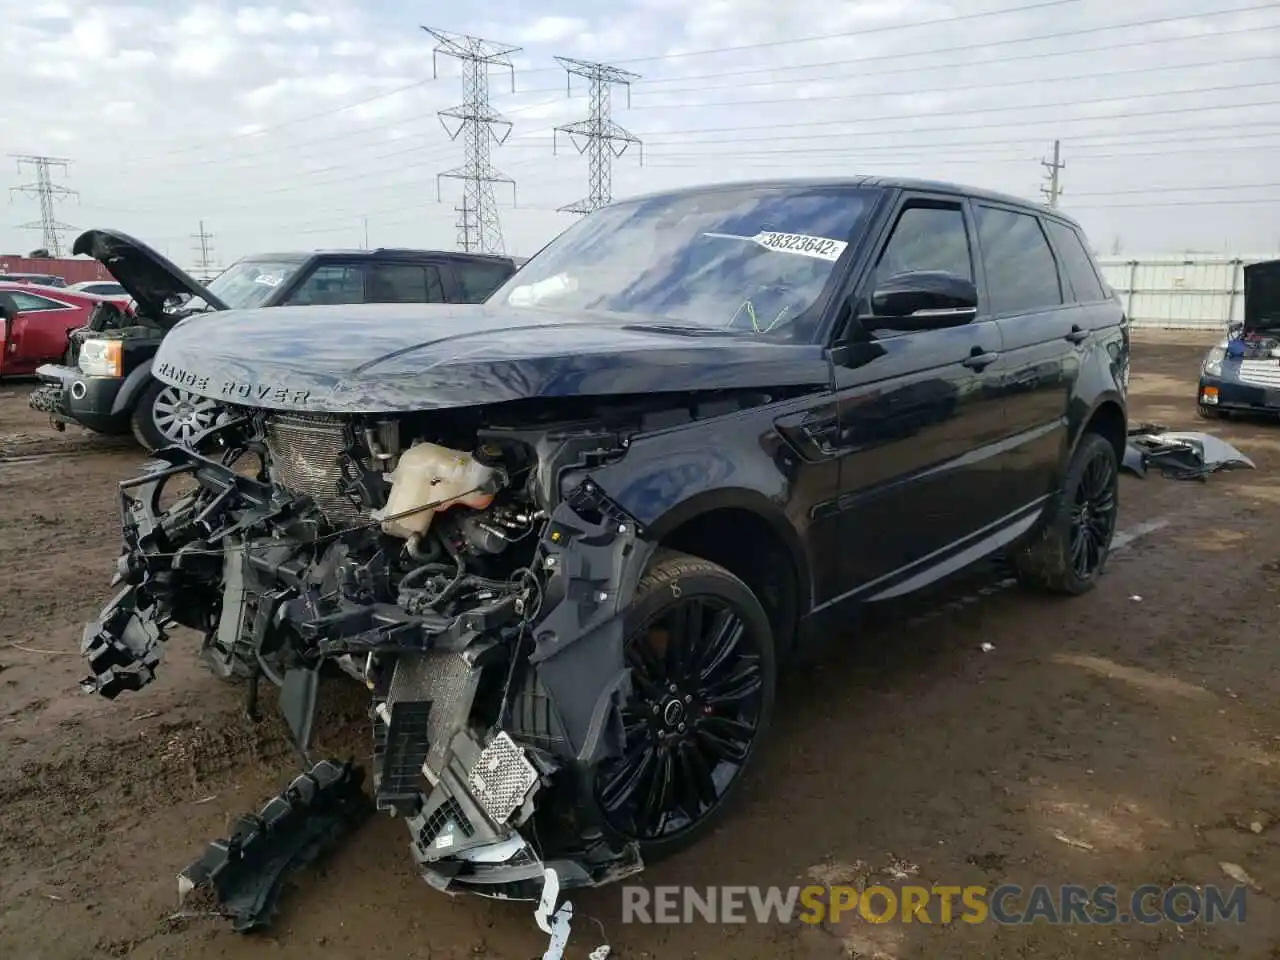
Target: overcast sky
{"points": [[285, 127]]}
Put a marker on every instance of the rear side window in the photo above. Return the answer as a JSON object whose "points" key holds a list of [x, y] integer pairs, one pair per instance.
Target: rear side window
{"points": [[478, 280], [29, 302], [331, 283], [403, 283], [1076, 262], [1022, 274]]}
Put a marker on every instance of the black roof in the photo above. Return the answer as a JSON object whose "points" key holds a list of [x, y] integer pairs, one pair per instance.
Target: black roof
{"points": [[300, 255], [887, 183]]}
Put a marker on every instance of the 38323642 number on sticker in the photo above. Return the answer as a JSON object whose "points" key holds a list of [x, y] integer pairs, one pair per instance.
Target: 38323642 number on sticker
{"points": [[823, 248]]}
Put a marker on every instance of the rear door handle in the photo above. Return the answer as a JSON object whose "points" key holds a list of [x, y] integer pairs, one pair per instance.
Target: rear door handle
{"points": [[1077, 335], [979, 360]]}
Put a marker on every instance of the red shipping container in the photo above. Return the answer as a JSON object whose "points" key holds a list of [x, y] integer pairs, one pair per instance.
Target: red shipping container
{"points": [[71, 269]]}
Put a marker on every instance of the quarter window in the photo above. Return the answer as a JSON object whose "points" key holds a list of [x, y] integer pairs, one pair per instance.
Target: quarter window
{"points": [[478, 280], [1076, 262], [1022, 275]]}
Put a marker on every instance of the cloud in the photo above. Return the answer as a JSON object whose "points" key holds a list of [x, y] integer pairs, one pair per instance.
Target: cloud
{"points": [[288, 124]]}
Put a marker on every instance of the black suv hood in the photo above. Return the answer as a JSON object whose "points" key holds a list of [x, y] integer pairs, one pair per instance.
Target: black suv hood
{"points": [[149, 277], [1262, 296], [395, 358]]}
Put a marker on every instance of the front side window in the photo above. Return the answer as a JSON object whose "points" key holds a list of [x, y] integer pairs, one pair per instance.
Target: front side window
{"points": [[330, 284], [750, 260], [930, 238], [1022, 274]]}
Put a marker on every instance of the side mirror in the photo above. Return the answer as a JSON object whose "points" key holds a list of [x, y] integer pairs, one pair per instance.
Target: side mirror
{"points": [[8, 308], [925, 300]]}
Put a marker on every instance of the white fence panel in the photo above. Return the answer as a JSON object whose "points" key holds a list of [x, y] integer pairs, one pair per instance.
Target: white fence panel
{"points": [[1193, 292]]}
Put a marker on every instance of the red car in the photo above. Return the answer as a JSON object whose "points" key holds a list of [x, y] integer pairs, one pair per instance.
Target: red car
{"points": [[35, 321]]}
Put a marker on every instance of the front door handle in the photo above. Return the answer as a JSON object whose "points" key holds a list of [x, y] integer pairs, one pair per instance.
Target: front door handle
{"points": [[1077, 335], [978, 360]]}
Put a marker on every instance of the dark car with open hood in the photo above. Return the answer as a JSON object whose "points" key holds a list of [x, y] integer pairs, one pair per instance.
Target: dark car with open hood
{"points": [[1241, 373], [105, 381], [567, 536]]}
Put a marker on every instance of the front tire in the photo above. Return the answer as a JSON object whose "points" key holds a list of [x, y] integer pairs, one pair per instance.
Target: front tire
{"points": [[1071, 549], [166, 415], [704, 671]]}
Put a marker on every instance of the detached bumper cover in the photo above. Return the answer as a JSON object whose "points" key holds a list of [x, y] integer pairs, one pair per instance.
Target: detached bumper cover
{"points": [[1180, 455]]}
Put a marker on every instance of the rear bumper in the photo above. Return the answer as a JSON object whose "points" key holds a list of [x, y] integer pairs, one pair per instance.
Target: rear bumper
{"points": [[1237, 397], [68, 396]]}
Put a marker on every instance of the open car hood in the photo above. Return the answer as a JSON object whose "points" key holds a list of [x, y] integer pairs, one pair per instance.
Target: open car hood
{"points": [[1262, 296], [149, 277]]}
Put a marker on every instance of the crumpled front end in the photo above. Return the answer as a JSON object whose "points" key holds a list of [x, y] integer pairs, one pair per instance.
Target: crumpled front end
{"points": [[475, 590]]}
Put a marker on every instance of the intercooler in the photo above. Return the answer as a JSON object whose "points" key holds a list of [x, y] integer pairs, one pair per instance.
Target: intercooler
{"points": [[306, 455]]}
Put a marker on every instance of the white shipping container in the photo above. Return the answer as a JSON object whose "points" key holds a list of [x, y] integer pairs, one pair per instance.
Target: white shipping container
{"points": [[1192, 292]]}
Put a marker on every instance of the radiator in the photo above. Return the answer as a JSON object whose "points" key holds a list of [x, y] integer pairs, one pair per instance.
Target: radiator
{"points": [[306, 457]]}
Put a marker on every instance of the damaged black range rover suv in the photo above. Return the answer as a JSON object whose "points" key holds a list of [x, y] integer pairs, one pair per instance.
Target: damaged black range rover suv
{"points": [[567, 536]]}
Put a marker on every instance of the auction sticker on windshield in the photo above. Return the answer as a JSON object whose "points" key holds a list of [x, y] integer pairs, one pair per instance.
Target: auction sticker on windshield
{"points": [[821, 248]]}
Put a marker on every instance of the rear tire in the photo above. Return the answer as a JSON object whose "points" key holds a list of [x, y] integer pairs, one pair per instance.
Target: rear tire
{"points": [[1071, 549], [700, 647], [166, 415]]}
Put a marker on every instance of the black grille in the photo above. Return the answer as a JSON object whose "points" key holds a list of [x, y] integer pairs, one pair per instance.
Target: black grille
{"points": [[439, 819]]}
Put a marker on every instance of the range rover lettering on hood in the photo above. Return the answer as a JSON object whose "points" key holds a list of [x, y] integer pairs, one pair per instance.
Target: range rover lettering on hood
{"points": [[231, 390]]}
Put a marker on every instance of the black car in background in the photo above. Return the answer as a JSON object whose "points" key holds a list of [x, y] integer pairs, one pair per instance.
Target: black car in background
{"points": [[105, 383], [565, 537]]}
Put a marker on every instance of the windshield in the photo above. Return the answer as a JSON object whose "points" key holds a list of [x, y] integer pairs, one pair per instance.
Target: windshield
{"points": [[750, 259], [248, 283]]}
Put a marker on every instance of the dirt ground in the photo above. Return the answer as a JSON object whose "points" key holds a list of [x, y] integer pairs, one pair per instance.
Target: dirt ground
{"points": [[1129, 736]]}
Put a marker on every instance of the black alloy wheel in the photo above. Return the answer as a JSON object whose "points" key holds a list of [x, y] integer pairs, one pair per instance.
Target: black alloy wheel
{"points": [[1069, 549], [1093, 515], [703, 675]]}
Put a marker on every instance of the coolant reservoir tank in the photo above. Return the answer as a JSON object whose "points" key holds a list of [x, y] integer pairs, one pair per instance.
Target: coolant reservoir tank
{"points": [[431, 474]]}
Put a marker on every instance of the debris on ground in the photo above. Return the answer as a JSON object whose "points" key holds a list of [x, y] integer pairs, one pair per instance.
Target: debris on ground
{"points": [[246, 871], [1239, 875]]}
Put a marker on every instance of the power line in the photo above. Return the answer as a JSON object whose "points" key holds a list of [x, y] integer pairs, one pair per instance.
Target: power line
{"points": [[860, 32], [981, 45], [949, 88], [322, 142], [478, 225], [985, 45], [772, 138], [599, 137], [48, 193], [1053, 189]]}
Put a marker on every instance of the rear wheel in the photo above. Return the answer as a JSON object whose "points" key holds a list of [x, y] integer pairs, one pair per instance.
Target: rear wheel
{"points": [[1071, 549], [701, 653], [166, 415]]}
